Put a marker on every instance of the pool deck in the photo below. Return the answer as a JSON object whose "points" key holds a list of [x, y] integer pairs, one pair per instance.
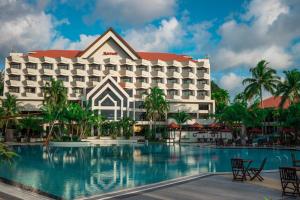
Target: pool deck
{"points": [[207, 187]]}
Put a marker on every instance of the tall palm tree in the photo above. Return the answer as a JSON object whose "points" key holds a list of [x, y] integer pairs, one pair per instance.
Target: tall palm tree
{"points": [[221, 96], [181, 117], [10, 108], [289, 89], [262, 77], [156, 105], [55, 101]]}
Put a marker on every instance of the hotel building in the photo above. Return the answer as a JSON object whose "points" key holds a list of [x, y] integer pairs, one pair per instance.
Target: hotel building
{"points": [[113, 76]]}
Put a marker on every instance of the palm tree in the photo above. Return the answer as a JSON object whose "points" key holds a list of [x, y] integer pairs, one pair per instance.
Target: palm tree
{"points": [[289, 89], [156, 105], [1, 82], [10, 108], [181, 117], [221, 96], [55, 101], [263, 77]]}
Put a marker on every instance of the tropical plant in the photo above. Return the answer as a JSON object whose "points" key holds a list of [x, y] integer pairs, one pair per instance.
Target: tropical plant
{"points": [[30, 124], [221, 96], [240, 98], [292, 115], [6, 154], [262, 77], [126, 124], [10, 110], [156, 105], [55, 101], [289, 89], [181, 118]]}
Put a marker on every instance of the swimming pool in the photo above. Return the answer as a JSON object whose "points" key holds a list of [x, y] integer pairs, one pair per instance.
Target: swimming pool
{"points": [[84, 171]]}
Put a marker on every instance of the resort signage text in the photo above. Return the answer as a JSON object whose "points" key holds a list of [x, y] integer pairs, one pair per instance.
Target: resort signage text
{"points": [[106, 53]]}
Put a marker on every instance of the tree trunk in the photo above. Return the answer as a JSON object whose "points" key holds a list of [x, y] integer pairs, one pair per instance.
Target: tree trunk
{"points": [[5, 128], [262, 106], [180, 129]]}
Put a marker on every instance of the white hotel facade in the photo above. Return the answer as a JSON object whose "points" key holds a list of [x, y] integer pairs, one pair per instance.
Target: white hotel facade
{"points": [[113, 76]]}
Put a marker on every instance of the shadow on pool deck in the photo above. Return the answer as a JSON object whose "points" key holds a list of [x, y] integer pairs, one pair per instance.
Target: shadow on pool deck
{"points": [[217, 187]]}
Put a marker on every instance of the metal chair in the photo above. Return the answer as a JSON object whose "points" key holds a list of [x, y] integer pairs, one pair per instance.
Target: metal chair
{"points": [[256, 171], [289, 181]]}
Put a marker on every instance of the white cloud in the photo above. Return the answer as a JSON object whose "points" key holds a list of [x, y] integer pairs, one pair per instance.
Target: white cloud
{"points": [[23, 27], [232, 83], [169, 34], [131, 12], [265, 31], [82, 43]]}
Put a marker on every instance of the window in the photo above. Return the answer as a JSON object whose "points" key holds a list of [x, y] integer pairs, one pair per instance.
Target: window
{"points": [[129, 92], [110, 67], [142, 68], [29, 89], [78, 78], [202, 93], [187, 92], [157, 68], [95, 66], [126, 67], [14, 89], [78, 90], [141, 80], [94, 78], [157, 80], [202, 81], [47, 66], [30, 78], [172, 80], [187, 81], [63, 66], [46, 78], [107, 102], [172, 69], [141, 91], [140, 116], [78, 66], [63, 78], [203, 107], [187, 69], [172, 92], [126, 79], [15, 65], [202, 70], [109, 114], [31, 65], [15, 77], [139, 105]]}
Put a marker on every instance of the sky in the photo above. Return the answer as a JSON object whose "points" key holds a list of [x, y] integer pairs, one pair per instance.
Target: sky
{"points": [[234, 34]]}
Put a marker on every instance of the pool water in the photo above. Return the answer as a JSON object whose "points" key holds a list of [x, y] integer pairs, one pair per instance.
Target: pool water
{"points": [[73, 172]]}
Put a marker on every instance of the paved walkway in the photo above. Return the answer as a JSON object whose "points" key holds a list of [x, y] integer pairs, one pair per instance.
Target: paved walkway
{"points": [[213, 187]]}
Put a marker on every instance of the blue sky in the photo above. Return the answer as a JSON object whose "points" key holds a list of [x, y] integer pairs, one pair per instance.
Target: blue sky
{"points": [[235, 34]]}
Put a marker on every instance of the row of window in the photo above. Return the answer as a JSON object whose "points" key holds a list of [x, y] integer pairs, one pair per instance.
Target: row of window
{"points": [[97, 79], [79, 90], [65, 66]]}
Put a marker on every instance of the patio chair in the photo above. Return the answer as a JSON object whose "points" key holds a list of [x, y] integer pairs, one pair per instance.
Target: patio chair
{"points": [[238, 169], [296, 163], [289, 181], [256, 171]]}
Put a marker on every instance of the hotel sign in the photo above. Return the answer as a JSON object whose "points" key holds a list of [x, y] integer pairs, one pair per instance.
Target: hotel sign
{"points": [[107, 53]]}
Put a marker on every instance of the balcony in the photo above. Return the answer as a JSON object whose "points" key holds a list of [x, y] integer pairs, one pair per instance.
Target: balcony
{"points": [[203, 86], [174, 86], [95, 72], [31, 83], [142, 85], [188, 75], [65, 72], [93, 83], [202, 97], [125, 72], [173, 97], [14, 71], [79, 72], [67, 84], [76, 95], [111, 72], [174, 74], [159, 85], [29, 94], [49, 72], [80, 84], [142, 73], [189, 86], [189, 97], [203, 75], [126, 84], [31, 71], [158, 74], [14, 83]]}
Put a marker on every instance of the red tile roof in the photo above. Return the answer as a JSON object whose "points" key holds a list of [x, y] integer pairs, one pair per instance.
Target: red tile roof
{"points": [[76, 53], [274, 102]]}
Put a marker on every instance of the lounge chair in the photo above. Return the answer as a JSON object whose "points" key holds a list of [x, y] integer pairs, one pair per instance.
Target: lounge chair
{"points": [[256, 171], [239, 171], [289, 181], [296, 163]]}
